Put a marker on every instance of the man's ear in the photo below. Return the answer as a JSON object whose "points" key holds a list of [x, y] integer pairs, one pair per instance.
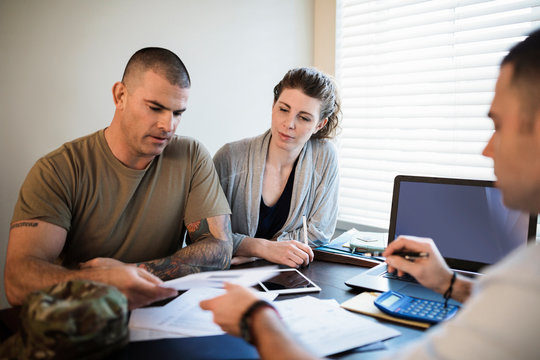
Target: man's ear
{"points": [[119, 91]]}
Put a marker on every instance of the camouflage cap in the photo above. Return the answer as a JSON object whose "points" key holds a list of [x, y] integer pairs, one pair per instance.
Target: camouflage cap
{"points": [[78, 319]]}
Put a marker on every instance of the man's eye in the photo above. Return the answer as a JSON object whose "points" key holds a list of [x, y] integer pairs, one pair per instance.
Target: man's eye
{"points": [[154, 108], [177, 114]]}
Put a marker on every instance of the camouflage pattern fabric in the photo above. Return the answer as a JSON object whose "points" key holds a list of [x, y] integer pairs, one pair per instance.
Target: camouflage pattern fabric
{"points": [[78, 319]]}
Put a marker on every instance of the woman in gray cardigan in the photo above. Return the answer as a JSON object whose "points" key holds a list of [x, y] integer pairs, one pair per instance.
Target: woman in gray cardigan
{"points": [[271, 181]]}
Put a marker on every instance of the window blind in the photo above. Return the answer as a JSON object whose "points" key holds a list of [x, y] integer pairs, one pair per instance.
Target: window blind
{"points": [[417, 79]]}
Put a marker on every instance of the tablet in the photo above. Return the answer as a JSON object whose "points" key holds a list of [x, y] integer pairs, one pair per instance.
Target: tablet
{"points": [[289, 281]]}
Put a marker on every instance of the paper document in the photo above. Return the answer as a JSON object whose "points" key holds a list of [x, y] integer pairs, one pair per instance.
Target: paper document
{"points": [[215, 279], [325, 328], [182, 316]]}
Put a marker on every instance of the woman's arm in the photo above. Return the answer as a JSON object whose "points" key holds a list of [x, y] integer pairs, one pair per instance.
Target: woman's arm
{"points": [[290, 253]]}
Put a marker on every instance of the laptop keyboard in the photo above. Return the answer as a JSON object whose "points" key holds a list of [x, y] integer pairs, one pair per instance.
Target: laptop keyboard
{"points": [[405, 277]]}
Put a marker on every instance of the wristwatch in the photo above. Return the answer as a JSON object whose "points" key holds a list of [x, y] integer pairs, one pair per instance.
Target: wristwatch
{"points": [[246, 320]]}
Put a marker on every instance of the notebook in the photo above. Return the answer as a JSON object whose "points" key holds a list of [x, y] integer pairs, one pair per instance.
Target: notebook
{"points": [[466, 219]]}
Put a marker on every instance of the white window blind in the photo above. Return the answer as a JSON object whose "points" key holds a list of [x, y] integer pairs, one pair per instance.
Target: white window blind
{"points": [[417, 79]]}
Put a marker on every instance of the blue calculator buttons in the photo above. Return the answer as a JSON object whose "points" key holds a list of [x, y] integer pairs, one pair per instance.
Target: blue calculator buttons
{"points": [[411, 308]]}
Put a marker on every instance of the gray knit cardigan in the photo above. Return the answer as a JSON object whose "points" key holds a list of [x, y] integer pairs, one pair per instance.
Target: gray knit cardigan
{"points": [[240, 166]]}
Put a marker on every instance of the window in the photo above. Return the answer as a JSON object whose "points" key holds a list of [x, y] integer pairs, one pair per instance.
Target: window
{"points": [[416, 79]]}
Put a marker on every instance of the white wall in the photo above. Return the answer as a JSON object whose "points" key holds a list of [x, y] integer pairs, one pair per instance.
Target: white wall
{"points": [[324, 35], [59, 59]]}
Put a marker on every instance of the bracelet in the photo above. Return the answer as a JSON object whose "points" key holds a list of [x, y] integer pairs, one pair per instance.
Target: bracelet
{"points": [[246, 320], [448, 293]]}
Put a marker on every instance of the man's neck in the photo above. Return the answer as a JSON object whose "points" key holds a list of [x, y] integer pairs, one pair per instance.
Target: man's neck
{"points": [[122, 153]]}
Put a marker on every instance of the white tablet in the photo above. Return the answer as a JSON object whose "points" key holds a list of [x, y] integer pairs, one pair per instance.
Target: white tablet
{"points": [[289, 281]]}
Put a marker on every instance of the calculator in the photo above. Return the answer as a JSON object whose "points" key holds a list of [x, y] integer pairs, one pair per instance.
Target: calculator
{"points": [[412, 308]]}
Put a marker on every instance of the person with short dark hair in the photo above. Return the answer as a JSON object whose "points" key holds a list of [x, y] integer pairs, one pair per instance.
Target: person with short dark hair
{"points": [[275, 179], [499, 318], [114, 206]]}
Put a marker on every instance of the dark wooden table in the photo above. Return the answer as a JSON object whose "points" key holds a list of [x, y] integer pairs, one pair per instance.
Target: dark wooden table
{"points": [[330, 277]]}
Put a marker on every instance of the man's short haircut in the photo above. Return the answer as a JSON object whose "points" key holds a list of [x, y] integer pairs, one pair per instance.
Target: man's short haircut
{"points": [[162, 61], [525, 60]]}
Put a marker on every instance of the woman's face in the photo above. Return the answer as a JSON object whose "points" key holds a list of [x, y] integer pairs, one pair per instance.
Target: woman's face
{"points": [[295, 117]]}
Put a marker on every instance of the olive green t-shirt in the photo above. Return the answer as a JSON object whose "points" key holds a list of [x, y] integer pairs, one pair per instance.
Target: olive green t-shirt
{"points": [[110, 210]]}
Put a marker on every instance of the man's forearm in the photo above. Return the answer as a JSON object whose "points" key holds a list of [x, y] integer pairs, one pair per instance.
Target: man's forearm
{"points": [[32, 274], [274, 341], [204, 255]]}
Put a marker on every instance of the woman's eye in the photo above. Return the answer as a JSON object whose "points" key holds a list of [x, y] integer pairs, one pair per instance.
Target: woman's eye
{"points": [[305, 118], [283, 109]]}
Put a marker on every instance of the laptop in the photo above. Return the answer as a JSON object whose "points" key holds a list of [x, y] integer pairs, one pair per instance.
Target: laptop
{"points": [[466, 219]]}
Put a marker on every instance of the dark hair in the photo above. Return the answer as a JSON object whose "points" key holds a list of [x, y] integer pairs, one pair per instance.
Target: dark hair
{"points": [[525, 60], [162, 61], [317, 85]]}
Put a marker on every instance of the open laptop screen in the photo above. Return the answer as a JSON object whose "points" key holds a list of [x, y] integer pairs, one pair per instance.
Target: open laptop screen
{"points": [[466, 219]]}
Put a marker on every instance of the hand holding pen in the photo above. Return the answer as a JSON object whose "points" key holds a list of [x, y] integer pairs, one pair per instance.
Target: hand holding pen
{"points": [[411, 255], [420, 258]]}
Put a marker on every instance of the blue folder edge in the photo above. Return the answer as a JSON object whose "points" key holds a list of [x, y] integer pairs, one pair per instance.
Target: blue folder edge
{"points": [[200, 347]]}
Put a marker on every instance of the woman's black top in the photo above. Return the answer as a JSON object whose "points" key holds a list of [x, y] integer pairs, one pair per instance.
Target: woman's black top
{"points": [[272, 218]]}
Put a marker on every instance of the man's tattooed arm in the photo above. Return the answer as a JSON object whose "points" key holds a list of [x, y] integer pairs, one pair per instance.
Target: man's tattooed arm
{"points": [[24, 224], [209, 248]]}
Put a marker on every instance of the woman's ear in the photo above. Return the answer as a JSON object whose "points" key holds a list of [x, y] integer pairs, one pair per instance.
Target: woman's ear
{"points": [[321, 124]]}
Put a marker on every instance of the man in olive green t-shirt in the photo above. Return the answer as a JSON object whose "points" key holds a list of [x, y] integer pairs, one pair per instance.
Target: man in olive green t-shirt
{"points": [[114, 206]]}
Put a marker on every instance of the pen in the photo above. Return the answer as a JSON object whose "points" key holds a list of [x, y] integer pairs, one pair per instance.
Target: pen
{"points": [[305, 229], [365, 248], [410, 255]]}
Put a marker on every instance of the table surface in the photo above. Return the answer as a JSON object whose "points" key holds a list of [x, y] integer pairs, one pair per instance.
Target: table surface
{"points": [[330, 277]]}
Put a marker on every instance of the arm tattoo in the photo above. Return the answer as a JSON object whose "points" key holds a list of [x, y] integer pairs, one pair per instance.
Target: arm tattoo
{"points": [[204, 251], [24, 224]]}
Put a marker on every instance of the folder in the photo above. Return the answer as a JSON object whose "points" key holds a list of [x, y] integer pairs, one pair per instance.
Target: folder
{"points": [[363, 304]]}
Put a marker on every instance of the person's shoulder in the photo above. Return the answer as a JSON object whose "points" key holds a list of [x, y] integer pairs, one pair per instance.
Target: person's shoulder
{"points": [[72, 150], [183, 142], [523, 260], [324, 147], [185, 146], [242, 144], [238, 148]]}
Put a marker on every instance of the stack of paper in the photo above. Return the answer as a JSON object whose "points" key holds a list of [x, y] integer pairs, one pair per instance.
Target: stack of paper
{"points": [[325, 328], [215, 279], [320, 325], [179, 318]]}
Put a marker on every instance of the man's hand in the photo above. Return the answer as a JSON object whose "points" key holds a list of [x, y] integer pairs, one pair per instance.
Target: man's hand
{"points": [[290, 252], [229, 308], [140, 287], [432, 271]]}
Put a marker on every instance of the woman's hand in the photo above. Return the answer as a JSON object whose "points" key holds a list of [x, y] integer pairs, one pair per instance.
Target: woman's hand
{"points": [[290, 252]]}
